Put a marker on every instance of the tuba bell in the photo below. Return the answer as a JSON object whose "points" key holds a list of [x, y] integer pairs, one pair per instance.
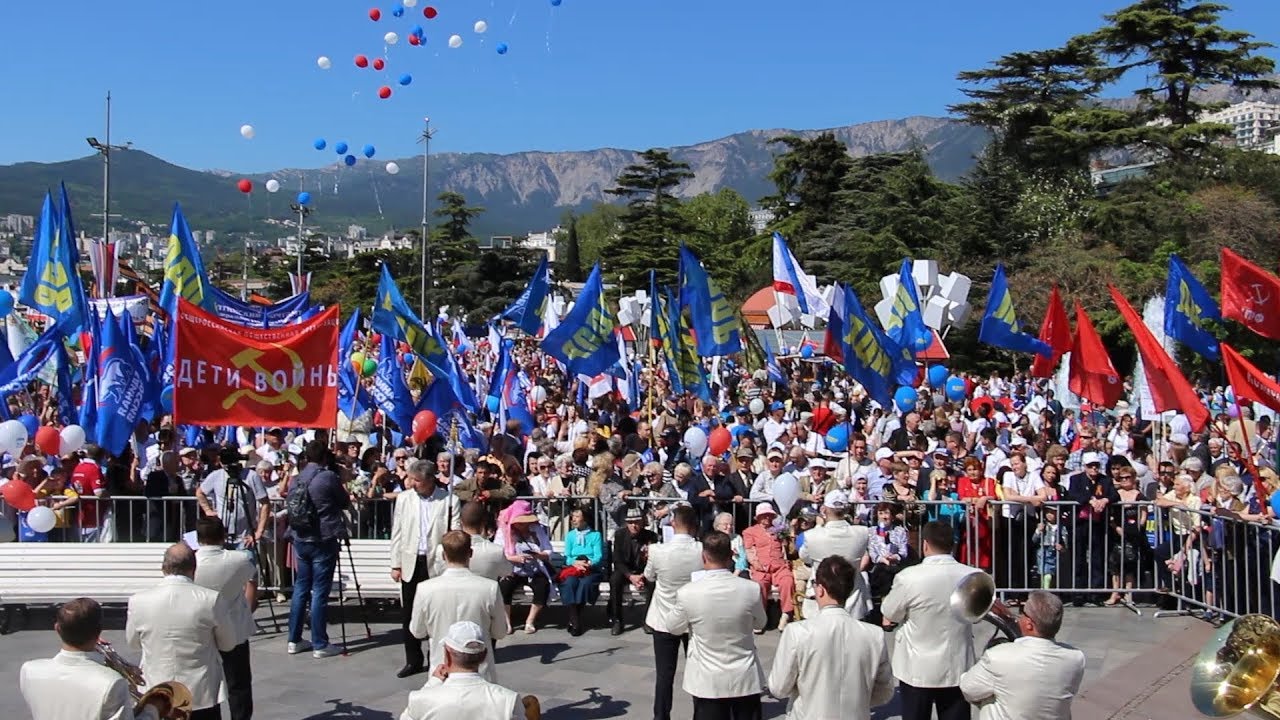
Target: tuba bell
{"points": [[1237, 670], [974, 600], [174, 693]]}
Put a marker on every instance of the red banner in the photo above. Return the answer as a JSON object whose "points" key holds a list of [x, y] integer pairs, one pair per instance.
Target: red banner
{"points": [[229, 374], [1248, 382], [1055, 331], [1250, 295], [1091, 374], [1169, 388]]}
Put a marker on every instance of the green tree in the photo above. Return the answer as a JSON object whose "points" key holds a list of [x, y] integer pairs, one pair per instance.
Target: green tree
{"points": [[808, 175], [596, 229], [570, 269], [652, 224], [453, 249], [723, 239]]}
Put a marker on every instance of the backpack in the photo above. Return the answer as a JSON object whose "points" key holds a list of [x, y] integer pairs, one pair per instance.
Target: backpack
{"points": [[303, 518]]}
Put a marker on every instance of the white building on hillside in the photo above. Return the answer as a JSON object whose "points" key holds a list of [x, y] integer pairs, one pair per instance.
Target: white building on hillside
{"points": [[1254, 124]]}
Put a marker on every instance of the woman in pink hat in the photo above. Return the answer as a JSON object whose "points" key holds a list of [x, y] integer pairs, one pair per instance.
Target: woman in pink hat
{"points": [[528, 546]]}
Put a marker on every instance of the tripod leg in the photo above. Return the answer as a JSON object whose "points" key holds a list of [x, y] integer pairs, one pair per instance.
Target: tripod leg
{"points": [[359, 596], [342, 603]]}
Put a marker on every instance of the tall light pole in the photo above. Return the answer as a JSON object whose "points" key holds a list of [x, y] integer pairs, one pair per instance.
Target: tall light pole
{"points": [[425, 139], [104, 149], [303, 211]]}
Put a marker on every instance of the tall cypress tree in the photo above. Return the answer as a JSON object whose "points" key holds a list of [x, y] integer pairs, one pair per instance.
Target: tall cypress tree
{"points": [[652, 224], [571, 265]]}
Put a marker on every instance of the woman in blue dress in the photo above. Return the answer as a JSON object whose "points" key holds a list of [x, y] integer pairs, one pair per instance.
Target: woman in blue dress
{"points": [[580, 579]]}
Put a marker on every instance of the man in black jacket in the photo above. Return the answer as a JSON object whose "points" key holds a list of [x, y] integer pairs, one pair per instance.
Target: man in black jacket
{"points": [[1092, 492], [316, 551], [630, 552]]}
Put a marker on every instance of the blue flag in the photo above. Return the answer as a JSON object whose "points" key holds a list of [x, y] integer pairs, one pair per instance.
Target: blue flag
{"points": [[583, 342], [353, 399], [906, 323], [88, 415], [66, 405], [714, 322], [688, 366], [462, 390], [20, 373], [773, 367], [286, 312], [393, 316], [1186, 306], [153, 361], [390, 393], [121, 388], [526, 311], [52, 281], [1000, 326], [184, 274], [870, 357], [512, 402]]}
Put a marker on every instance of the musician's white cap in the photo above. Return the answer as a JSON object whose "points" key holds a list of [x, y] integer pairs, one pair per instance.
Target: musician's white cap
{"points": [[465, 637]]}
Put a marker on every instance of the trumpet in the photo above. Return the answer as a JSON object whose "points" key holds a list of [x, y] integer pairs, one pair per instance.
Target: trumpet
{"points": [[1237, 670], [974, 600], [173, 693]]}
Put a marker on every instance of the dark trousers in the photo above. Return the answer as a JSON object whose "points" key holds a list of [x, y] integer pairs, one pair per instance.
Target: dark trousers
{"points": [[618, 589], [209, 713], [666, 653], [239, 675], [918, 703], [739, 708], [408, 590]]}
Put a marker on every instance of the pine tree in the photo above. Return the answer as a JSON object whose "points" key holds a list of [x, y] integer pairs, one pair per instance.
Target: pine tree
{"points": [[453, 250], [650, 229], [808, 176], [571, 266]]}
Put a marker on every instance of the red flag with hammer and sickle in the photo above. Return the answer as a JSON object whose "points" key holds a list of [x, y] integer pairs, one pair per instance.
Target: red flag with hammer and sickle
{"points": [[229, 374]]}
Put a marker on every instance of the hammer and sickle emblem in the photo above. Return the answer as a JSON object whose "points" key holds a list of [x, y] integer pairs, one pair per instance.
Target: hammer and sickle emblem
{"points": [[249, 357]]}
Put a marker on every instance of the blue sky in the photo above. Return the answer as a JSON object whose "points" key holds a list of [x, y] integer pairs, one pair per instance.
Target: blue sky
{"points": [[590, 73]]}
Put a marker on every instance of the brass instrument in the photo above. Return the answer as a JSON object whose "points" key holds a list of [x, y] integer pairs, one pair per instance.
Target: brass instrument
{"points": [[174, 693], [532, 708], [1237, 670], [974, 600]]}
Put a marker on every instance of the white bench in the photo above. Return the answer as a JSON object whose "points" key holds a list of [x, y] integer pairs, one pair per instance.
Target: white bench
{"points": [[49, 573]]}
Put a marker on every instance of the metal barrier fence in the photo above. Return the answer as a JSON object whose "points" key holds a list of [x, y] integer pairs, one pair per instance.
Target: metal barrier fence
{"points": [[1125, 554]]}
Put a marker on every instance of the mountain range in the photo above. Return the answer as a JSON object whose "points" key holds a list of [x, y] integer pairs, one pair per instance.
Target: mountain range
{"points": [[519, 192]]}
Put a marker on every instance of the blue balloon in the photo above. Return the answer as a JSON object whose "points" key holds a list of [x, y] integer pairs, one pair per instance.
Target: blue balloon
{"points": [[955, 388], [319, 144], [166, 399], [837, 438], [368, 151], [937, 376], [416, 30], [405, 79], [349, 160], [806, 352], [304, 197], [491, 403], [905, 399], [340, 148], [6, 303], [398, 12], [31, 423], [502, 48]]}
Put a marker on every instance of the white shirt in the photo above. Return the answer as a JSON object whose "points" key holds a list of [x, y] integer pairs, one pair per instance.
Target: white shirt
{"points": [[772, 430], [994, 458], [1028, 485], [424, 524], [75, 685], [831, 665]]}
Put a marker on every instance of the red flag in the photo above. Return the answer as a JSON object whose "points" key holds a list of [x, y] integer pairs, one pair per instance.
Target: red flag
{"points": [[1248, 382], [229, 374], [1250, 295], [1092, 376], [1169, 387], [1055, 332]]}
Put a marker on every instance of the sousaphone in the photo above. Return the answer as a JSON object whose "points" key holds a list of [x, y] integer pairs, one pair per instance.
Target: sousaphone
{"points": [[1237, 670]]}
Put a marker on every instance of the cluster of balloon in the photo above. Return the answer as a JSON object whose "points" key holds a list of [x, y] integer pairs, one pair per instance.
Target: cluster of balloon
{"points": [[424, 426], [905, 399], [955, 388]]}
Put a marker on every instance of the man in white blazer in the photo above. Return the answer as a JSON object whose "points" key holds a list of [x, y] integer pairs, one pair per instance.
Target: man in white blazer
{"points": [[721, 613], [932, 647], [671, 565], [76, 684], [1031, 677], [832, 665], [456, 689], [422, 516], [232, 575], [458, 595], [487, 559], [837, 537], [180, 630]]}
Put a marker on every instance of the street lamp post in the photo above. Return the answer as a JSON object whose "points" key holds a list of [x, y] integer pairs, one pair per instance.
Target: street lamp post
{"points": [[104, 149], [303, 211], [425, 139]]}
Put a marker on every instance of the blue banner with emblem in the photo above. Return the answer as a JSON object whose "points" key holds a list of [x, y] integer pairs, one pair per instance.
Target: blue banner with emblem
{"points": [[52, 283], [584, 342], [715, 324], [184, 274], [393, 316], [1000, 326], [1187, 305], [286, 312], [869, 354]]}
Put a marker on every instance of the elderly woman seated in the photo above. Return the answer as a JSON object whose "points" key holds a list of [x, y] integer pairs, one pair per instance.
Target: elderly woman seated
{"points": [[767, 560]]}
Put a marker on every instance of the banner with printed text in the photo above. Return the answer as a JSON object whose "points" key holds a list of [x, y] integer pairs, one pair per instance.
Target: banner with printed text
{"points": [[230, 374]]}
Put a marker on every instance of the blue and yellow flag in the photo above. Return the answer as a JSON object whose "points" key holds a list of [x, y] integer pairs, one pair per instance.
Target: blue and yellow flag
{"points": [[52, 282], [684, 357], [1186, 306], [393, 316], [661, 335], [870, 356], [526, 311], [714, 322], [184, 274], [906, 323], [583, 342], [390, 393], [1000, 326]]}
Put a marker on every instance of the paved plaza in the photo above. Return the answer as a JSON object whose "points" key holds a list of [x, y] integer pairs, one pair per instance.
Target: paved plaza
{"points": [[1136, 668]]}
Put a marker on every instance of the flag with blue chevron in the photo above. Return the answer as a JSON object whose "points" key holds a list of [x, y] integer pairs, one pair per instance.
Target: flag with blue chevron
{"points": [[184, 274], [773, 367], [583, 342], [1187, 305], [906, 323], [714, 321], [52, 281], [393, 316], [869, 354], [1000, 326], [687, 364], [526, 311], [662, 336]]}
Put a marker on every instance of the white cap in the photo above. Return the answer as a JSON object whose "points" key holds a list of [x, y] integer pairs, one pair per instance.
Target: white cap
{"points": [[465, 637], [836, 500], [1017, 441], [1179, 439], [1091, 458], [883, 453]]}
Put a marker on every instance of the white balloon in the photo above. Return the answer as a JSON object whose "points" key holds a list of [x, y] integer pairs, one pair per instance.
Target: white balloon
{"points": [[323, 63], [455, 41], [538, 394], [13, 436], [756, 406], [409, 3], [392, 168], [41, 519], [481, 26], [273, 185], [786, 491], [695, 441], [391, 38], [72, 439], [246, 132]]}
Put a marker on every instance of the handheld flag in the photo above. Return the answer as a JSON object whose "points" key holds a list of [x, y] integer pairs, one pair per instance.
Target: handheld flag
{"points": [[906, 323], [1092, 376], [1248, 382], [789, 279], [184, 275], [512, 403], [1055, 331], [869, 354], [353, 399], [526, 311], [393, 316], [1169, 389], [27, 368], [714, 321], [1000, 323], [583, 342], [52, 282], [1186, 306], [1250, 295], [773, 367], [122, 388], [685, 360], [390, 393]]}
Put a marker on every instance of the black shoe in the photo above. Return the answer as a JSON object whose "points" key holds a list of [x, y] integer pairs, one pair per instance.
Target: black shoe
{"points": [[408, 670], [576, 630], [648, 630], [616, 629]]}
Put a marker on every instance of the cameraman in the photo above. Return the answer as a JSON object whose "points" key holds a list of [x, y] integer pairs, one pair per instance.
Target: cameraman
{"points": [[234, 495]]}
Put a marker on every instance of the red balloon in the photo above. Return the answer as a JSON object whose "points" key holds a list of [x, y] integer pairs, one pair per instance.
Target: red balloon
{"points": [[379, 63], [719, 440], [48, 440], [823, 420], [384, 92], [362, 61], [424, 426], [430, 12], [18, 494], [413, 39], [376, 339], [375, 14], [246, 187]]}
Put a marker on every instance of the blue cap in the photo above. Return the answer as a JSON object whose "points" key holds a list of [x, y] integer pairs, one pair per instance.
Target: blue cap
{"points": [[777, 405], [741, 410]]}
